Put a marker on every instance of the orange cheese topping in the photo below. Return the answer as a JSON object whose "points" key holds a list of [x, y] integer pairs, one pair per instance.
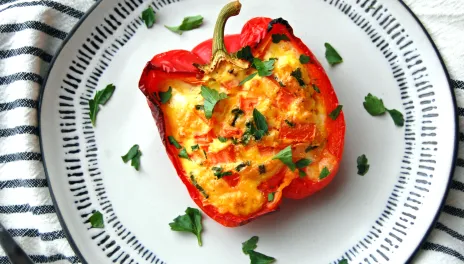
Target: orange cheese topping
{"points": [[298, 105]]}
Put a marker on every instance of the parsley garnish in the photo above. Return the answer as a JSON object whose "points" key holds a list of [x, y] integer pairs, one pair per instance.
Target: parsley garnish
{"points": [[189, 23], [270, 197], [222, 139], [262, 169], [316, 88], [96, 220], [375, 107], [245, 54], [148, 16], [298, 76], [165, 96], [189, 222], [242, 165], [332, 55], [343, 261], [336, 112], [101, 97], [249, 77], [218, 172], [211, 97], [174, 142], [236, 112], [301, 164], [260, 121], [276, 38], [195, 147], [199, 188], [324, 173], [249, 246], [309, 148], [133, 155], [200, 107], [285, 156], [363, 166], [264, 67], [290, 124], [183, 154], [304, 59]]}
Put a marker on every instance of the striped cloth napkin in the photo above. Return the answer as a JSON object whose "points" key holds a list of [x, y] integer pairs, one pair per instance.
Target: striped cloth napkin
{"points": [[30, 34]]}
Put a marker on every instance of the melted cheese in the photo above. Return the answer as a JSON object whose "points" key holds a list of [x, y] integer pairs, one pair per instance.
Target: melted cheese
{"points": [[185, 123]]}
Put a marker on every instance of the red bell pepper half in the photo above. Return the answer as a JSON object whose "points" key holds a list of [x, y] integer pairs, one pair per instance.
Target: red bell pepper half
{"points": [[322, 143]]}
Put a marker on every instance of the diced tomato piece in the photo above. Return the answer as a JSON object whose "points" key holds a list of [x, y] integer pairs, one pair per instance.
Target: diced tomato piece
{"points": [[205, 138], [298, 133], [285, 98], [247, 104], [224, 156], [266, 151], [231, 132], [232, 180], [272, 183]]}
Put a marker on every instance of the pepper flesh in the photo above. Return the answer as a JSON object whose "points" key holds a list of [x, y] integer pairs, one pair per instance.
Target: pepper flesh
{"points": [[324, 139]]}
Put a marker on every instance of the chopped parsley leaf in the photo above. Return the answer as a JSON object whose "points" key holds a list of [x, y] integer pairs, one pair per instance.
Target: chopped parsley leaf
{"points": [[242, 165], [189, 23], [270, 197], [183, 154], [276, 38], [363, 166], [316, 88], [262, 169], [290, 124], [245, 54], [298, 76], [199, 188], [190, 222], [332, 55], [285, 156], [236, 112], [148, 16], [336, 112], [174, 142], [212, 97], [222, 139], [96, 220], [304, 59], [195, 147], [165, 96], [264, 68], [324, 173]]}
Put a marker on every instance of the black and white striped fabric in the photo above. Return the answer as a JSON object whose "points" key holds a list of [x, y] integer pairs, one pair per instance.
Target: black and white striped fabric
{"points": [[30, 34]]}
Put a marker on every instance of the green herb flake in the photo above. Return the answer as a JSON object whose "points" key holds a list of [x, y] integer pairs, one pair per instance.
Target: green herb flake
{"points": [[222, 139], [198, 186], [332, 55], [195, 147], [373, 105], [237, 112], [302, 163], [133, 155], [212, 97], [363, 166], [148, 16], [336, 112], [165, 96], [183, 154], [174, 142], [309, 148], [290, 124], [101, 97], [200, 107], [250, 244], [316, 88], [270, 197], [96, 220], [218, 172], [304, 59], [189, 23], [285, 156], [189, 222], [262, 169], [206, 156], [324, 173], [397, 117], [343, 261], [245, 54], [249, 77], [302, 173], [276, 38], [282, 84], [260, 121], [298, 76], [242, 165], [264, 68]]}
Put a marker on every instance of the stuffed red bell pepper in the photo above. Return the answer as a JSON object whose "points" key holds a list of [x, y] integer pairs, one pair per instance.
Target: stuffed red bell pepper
{"points": [[245, 118]]}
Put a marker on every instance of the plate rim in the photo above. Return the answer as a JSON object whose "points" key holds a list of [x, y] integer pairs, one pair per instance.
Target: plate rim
{"points": [[92, 9]]}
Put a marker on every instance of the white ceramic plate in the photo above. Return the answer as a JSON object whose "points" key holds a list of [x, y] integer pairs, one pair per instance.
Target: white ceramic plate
{"points": [[379, 218]]}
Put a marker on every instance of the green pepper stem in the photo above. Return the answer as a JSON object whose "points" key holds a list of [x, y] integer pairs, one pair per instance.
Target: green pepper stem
{"points": [[229, 10]]}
